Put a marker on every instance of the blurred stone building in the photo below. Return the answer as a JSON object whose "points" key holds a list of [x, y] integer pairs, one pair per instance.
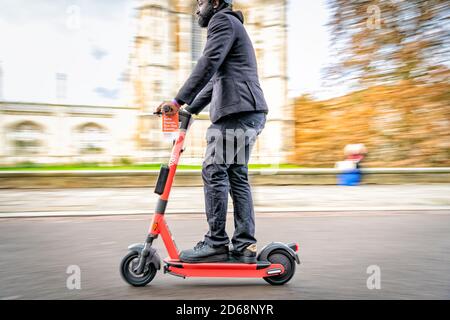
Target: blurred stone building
{"points": [[64, 133], [167, 46]]}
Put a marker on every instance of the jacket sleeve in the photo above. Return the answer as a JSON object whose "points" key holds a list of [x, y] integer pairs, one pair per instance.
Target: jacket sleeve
{"points": [[202, 99], [219, 41]]}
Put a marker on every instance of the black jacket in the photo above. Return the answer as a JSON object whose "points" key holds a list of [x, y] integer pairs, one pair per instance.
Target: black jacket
{"points": [[226, 74]]}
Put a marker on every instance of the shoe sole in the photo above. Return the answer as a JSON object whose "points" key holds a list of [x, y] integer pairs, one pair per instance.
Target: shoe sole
{"points": [[215, 258], [244, 259]]}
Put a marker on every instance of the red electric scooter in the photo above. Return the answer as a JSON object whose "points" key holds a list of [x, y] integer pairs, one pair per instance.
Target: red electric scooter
{"points": [[275, 263]]}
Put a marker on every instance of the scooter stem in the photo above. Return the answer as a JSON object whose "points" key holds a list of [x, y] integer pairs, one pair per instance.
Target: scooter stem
{"points": [[165, 181], [185, 119]]}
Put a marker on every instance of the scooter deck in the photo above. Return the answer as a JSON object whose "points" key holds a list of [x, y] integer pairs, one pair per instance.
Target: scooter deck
{"points": [[227, 269]]}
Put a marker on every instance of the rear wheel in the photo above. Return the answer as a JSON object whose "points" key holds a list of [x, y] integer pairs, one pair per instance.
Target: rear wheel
{"points": [[285, 259], [129, 262]]}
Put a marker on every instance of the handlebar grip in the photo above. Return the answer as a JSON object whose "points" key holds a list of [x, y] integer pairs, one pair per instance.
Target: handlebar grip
{"points": [[164, 109]]}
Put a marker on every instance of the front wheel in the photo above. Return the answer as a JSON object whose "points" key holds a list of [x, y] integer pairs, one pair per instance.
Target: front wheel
{"points": [[285, 259], [129, 262]]}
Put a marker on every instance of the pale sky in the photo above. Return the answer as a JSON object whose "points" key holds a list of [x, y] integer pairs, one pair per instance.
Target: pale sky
{"points": [[90, 41]]}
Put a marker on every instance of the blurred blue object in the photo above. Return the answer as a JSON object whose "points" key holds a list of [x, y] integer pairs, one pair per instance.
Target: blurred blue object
{"points": [[349, 177]]}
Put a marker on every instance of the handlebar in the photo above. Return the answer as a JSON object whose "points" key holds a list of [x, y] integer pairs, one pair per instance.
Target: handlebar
{"points": [[184, 117], [164, 110]]}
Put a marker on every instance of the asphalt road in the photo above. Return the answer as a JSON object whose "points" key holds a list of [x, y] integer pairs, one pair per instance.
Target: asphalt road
{"points": [[412, 251]]}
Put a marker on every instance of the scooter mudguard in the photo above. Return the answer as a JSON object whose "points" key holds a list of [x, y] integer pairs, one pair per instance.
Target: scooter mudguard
{"points": [[265, 252], [153, 257]]}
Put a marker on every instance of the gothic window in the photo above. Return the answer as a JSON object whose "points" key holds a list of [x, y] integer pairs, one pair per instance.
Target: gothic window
{"points": [[27, 138], [157, 46], [91, 138], [196, 41], [157, 90]]}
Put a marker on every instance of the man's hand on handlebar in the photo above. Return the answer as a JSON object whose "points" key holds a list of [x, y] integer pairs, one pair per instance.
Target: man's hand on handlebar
{"points": [[169, 108]]}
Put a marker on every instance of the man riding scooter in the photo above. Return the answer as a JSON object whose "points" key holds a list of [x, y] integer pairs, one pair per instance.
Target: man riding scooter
{"points": [[225, 77]]}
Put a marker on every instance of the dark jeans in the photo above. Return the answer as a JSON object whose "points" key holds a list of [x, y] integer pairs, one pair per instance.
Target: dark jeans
{"points": [[225, 169]]}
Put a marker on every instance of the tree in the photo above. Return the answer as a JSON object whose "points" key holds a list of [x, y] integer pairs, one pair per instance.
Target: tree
{"points": [[389, 41]]}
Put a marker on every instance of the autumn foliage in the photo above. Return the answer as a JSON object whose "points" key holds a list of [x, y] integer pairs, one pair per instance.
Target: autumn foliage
{"points": [[394, 55], [401, 125]]}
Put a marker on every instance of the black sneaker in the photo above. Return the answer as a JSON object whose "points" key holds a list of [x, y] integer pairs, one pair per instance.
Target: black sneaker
{"points": [[246, 256], [202, 252]]}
